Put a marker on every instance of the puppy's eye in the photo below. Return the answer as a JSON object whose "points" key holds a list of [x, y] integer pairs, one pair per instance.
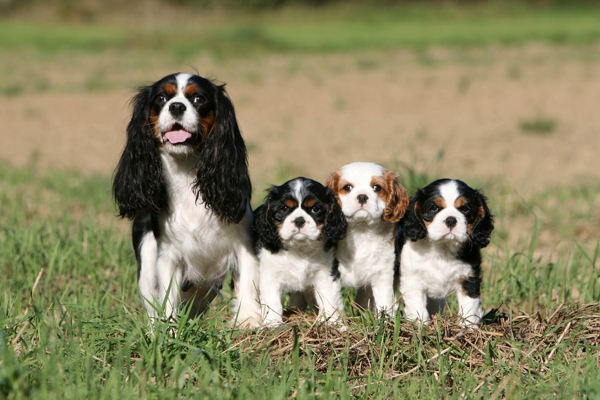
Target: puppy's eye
{"points": [[285, 208], [377, 188], [347, 188], [160, 99], [315, 209], [432, 208], [198, 100], [465, 209]]}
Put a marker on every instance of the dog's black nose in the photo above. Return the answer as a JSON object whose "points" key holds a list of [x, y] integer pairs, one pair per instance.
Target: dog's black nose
{"points": [[362, 198], [177, 108], [299, 222], [450, 222]]}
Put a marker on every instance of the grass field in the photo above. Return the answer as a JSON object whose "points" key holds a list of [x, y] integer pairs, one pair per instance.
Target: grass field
{"points": [[72, 325]]}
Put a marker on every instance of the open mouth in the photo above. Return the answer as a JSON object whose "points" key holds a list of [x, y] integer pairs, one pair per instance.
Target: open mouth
{"points": [[176, 134]]}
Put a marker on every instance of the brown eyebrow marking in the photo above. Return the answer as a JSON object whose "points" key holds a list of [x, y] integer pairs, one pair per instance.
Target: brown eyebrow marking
{"points": [[440, 202], [191, 89], [290, 203], [459, 202], [169, 88], [309, 203]]}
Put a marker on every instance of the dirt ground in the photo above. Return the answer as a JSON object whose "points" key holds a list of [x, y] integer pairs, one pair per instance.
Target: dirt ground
{"points": [[452, 113]]}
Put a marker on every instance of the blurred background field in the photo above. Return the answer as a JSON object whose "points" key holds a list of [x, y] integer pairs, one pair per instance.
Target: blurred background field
{"points": [[501, 94]]}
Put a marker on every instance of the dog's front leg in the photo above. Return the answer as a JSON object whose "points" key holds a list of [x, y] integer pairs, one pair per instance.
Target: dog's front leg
{"points": [[246, 307], [170, 275], [382, 286]]}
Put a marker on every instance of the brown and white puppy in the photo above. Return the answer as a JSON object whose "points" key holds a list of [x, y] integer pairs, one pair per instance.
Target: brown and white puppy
{"points": [[373, 201], [446, 225], [183, 180]]}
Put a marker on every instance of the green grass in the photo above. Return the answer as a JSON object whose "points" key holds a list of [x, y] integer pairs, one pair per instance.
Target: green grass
{"points": [[326, 29], [82, 332]]}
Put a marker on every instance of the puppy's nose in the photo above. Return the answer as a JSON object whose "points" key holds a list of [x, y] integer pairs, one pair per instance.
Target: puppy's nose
{"points": [[299, 222], [450, 222], [362, 198], [177, 109]]}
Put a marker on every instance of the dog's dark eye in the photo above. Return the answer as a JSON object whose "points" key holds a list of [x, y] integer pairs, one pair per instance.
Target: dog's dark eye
{"points": [[199, 100], [432, 208], [315, 209], [465, 209], [285, 208], [347, 188], [160, 99], [377, 188]]}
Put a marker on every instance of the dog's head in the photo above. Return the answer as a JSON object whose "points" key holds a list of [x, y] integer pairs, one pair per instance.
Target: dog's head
{"points": [[449, 210], [299, 212]]}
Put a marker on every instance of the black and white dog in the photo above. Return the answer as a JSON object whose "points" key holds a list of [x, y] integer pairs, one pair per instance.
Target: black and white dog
{"points": [[183, 180], [297, 228], [446, 225]]}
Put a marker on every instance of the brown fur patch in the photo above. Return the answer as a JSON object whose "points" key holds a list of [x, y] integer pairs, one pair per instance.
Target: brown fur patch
{"points": [[480, 215], [396, 197], [190, 90], [208, 122], [440, 202], [170, 89], [459, 202], [291, 203], [309, 203]]}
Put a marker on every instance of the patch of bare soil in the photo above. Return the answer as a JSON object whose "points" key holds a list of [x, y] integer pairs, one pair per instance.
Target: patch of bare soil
{"points": [[311, 114]]}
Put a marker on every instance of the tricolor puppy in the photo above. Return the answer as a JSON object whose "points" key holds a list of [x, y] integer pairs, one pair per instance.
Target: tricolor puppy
{"points": [[446, 225], [297, 229], [373, 201], [183, 180]]}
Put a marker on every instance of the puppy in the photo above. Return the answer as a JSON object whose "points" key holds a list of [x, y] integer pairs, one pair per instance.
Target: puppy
{"points": [[296, 232], [373, 201], [446, 225], [183, 180]]}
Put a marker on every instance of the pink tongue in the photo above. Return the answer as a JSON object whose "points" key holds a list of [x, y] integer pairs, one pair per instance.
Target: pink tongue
{"points": [[177, 136]]}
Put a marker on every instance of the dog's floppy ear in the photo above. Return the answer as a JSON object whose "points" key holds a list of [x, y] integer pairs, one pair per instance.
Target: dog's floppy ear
{"points": [[138, 185], [222, 179], [333, 182], [412, 224], [397, 201], [484, 224], [335, 222], [267, 235]]}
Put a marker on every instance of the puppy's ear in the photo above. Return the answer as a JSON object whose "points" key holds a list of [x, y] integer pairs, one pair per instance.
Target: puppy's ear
{"points": [[138, 185], [222, 178], [335, 222], [267, 235], [332, 183], [412, 224], [484, 224], [397, 201]]}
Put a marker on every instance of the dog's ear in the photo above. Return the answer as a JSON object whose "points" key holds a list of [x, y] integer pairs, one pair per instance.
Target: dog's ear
{"points": [[267, 235], [335, 223], [138, 185], [222, 178], [397, 199], [484, 224], [412, 223], [332, 183]]}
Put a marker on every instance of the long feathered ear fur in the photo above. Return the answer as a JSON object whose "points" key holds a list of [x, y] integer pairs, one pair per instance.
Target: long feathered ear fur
{"points": [[139, 185], [480, 235], [266, 230], [335, 223], [397, 201], [412, 224], [223, 180]]}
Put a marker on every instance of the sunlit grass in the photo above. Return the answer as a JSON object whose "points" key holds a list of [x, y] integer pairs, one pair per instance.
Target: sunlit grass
{"points": [[81, 332]]}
